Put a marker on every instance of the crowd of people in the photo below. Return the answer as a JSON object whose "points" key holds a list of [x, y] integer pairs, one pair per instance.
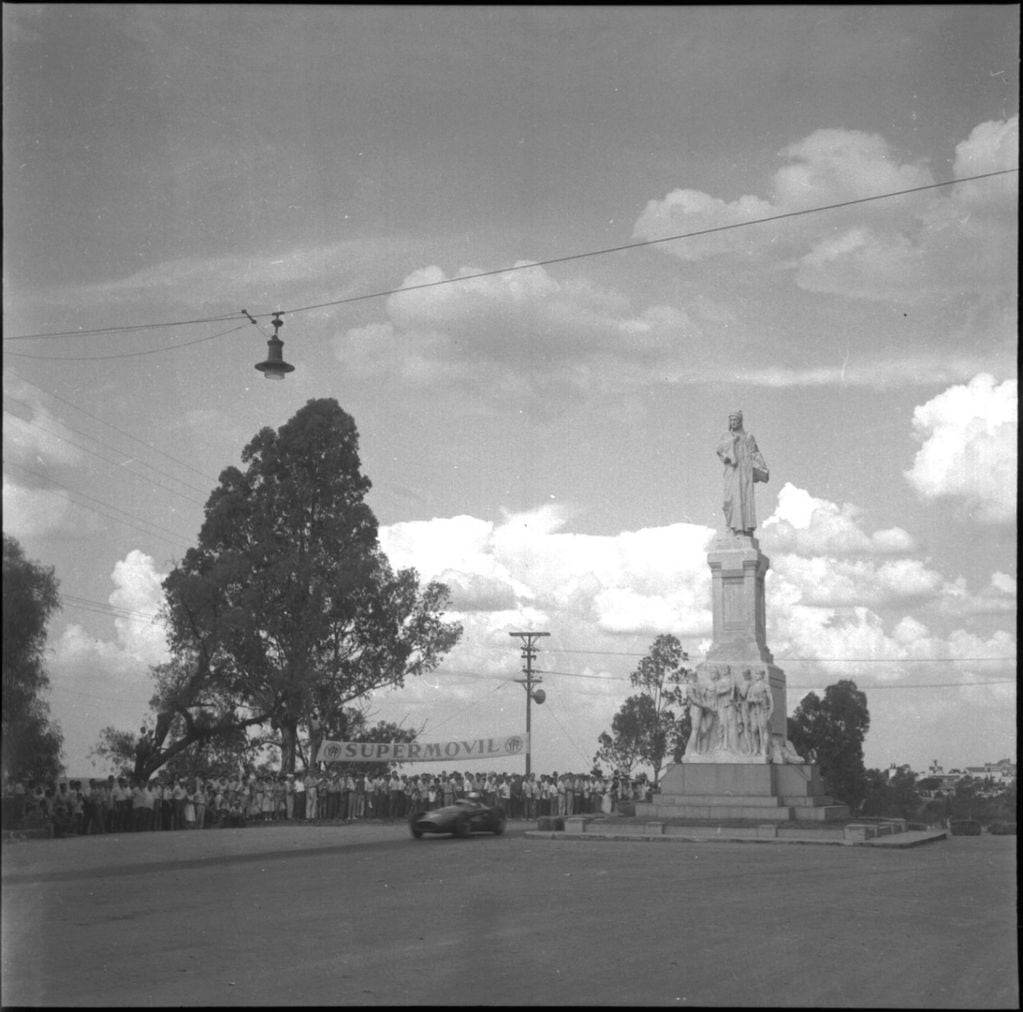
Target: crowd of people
{"points": [[120, 805]]}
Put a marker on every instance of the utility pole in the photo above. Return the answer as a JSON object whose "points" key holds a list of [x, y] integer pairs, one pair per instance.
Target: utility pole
{"points": [[528, 653]]}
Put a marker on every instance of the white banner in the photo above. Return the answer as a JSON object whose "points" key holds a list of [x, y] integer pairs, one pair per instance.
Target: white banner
{"points": [[421, 752]]}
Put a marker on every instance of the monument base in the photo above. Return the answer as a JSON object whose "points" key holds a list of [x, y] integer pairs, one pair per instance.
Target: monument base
{"points": [[769, 793]]}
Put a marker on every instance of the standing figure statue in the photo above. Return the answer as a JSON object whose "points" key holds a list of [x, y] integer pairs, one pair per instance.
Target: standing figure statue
{"points": [[747, 744], [743, 466], [760, 701], [727, 708], [701, 715]]}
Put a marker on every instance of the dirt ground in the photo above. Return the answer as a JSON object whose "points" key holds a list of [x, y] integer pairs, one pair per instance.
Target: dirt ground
{"points": [[365, 915]]}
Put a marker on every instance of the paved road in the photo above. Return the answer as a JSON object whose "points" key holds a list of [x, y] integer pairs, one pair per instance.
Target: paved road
{"points": [[365, 915]]}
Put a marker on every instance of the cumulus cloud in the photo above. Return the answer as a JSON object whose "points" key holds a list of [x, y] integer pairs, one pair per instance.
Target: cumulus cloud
{"points": [[493, 332], [105, 681], [827, 167], [838, 583], [633, 582], [968, 449], [804, 525], [955, 239], [138, 597], [998, 597]]}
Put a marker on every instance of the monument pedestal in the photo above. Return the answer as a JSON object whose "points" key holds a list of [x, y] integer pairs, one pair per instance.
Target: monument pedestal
{"points": [[738, 763], [770, 792]]}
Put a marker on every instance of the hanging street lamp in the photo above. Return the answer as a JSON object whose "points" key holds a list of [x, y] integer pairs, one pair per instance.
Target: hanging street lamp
{"points": [[274, 368]]}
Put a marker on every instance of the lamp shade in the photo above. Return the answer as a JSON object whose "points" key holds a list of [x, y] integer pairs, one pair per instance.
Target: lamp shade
{"points": [[275, 368]]}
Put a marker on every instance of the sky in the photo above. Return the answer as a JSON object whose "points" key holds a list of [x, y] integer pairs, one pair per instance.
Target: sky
{"points": [[541, 435]]}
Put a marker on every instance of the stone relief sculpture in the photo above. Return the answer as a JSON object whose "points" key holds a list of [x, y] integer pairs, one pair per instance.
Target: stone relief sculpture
{"points": [[730, 713], [744, 466]]}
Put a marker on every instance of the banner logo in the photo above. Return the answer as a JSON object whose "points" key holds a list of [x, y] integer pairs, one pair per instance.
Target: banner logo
{"points": [[422, 752]]}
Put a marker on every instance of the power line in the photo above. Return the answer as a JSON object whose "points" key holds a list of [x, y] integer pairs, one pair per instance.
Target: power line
{"points": [[107, 460], [927, 685], [133, 522], [803, 660], [110, 425], [646, 242], [126, 354], [103, 608], [778, 660], [123, 329], [517, 267]]}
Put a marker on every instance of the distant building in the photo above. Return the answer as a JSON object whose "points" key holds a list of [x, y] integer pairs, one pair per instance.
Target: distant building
{"points": [[1001, 773]]}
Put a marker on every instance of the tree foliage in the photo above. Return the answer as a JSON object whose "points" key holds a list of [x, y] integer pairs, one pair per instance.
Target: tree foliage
{"points": [[896, 796], [287, 605], [31, 740], [653, 724], [830, 732]]}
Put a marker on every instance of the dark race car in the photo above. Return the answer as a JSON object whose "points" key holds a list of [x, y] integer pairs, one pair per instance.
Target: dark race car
{"points": [[463, 818]]}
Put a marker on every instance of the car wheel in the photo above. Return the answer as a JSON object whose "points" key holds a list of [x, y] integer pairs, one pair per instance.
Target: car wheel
{"points": [[499, 823], [462, 828], [416, 833]]}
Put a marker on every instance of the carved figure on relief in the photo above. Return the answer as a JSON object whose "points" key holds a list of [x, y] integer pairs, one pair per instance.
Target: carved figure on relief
{"points": [[760, 703], [702, 715]]}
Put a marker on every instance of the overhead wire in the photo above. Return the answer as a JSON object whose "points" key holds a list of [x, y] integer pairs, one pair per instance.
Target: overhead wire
{"points": [[117, 429], [101, 607], [135, 474], [133, 522], [126, 354], [546, 262]]}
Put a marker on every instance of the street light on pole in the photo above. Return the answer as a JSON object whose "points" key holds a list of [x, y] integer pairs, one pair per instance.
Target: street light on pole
{"points": [[528, 653]]}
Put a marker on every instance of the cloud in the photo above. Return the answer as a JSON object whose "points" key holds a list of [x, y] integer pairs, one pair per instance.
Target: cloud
{"points": [[138, 595], [33, 442], [631, 583], [804, 525], [827, 167], [515, 333], [31, 512], [969, 448], [995, 599], [882, 372], [99, 682], [904, 250]]}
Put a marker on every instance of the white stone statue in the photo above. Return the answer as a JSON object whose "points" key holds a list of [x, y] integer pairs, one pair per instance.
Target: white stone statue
{"points": [[727, 709], [760, 705], [701, 715], [744, 466]]}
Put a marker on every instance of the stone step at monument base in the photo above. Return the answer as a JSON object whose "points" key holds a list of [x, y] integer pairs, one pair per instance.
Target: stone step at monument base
{"points": [[773, 793], [766, 810]]}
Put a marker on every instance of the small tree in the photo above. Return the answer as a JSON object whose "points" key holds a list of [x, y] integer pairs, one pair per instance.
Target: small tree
{"points": [[622, 749], [830, 732], [653, 724], [31, 740]]}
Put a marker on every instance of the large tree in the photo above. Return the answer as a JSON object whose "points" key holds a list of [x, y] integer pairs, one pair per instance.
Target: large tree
{"points": [[653, 724], [287, 606], [830, 732], [31, 740]]}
